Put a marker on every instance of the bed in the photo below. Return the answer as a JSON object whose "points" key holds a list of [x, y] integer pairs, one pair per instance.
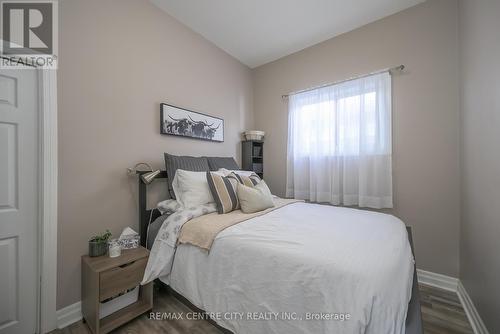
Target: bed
{"points": [[274, 274]]}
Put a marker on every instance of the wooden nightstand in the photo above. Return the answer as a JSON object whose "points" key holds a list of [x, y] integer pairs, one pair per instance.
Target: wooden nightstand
{"points": [[104, 277]]}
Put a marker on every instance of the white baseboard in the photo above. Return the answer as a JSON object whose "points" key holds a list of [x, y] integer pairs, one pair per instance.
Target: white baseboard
{"points": [[475, 320], [437, 280], [453, 284], [69, 314]]}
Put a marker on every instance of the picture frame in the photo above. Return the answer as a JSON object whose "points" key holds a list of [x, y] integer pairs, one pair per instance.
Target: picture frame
{"points": [[177, 121]]}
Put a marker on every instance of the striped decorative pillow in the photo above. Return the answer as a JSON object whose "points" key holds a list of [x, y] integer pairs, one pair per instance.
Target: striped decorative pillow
{"points": [[249, 181], [224, 192]]}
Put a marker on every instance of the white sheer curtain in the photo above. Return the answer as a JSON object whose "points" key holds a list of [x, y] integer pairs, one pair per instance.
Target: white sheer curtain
{"points": [[340, 143]]}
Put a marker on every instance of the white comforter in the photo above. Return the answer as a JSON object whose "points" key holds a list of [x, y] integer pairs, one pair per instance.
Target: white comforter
{"points": [[302, 261]]}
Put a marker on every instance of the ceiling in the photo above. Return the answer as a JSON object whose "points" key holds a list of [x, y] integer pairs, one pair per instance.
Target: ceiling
{"points": [[260, 31]]}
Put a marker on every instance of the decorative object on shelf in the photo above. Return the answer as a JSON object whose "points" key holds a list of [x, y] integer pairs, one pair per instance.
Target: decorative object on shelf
{"points": [[129, 239], [254, 135], [98, 245], [187, 123], [114, 248], [252, 156], [148, 177]]}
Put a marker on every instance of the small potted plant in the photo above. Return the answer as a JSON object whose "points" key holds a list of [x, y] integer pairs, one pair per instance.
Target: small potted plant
{"points": [[99, 244]]}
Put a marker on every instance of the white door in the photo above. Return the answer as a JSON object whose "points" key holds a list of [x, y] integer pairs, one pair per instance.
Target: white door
{"points": [[18, 201]]}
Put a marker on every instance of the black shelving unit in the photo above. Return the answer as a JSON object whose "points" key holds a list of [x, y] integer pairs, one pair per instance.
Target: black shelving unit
{"points": [[252, 156]]}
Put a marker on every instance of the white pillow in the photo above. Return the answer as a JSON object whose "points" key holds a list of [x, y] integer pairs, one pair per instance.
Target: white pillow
{"points": [[191, 188], [226, 172], [256, 198]]}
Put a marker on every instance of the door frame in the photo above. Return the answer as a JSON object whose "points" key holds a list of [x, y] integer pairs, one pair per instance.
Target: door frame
{"points": [[47, 201], [47, 213]]}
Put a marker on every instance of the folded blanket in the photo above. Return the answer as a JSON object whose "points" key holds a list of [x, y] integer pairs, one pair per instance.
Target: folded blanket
{"points": [[202, 231]]}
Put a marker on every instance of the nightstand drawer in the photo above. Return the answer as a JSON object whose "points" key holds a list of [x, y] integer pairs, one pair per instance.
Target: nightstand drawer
{"points": [[119, 279]]}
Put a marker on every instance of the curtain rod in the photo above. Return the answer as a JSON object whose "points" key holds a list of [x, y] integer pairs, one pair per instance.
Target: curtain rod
{"points": [[390, 69]]}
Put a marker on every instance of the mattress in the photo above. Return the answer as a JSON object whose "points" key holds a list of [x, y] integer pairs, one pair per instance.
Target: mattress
{"points": [[304, 268]]}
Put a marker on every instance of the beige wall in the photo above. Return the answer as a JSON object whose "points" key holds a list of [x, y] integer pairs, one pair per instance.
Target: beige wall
{"points": [[118, 61], [480, 158], [425, 115], [130, 57]]}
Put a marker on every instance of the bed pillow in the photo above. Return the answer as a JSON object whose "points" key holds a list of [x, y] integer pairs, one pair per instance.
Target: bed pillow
{"points": [[254, 199], [175, 162], [216, 163], [191, 188], [249, 180], [223, 191], [236, 171]]}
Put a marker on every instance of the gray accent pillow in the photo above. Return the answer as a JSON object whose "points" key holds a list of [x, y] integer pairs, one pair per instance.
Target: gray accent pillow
{"points": [[175, 162], [223, 191], [216, 163]]}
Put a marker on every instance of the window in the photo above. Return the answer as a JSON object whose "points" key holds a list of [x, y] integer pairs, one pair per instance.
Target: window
{"points": [[340, 135]]}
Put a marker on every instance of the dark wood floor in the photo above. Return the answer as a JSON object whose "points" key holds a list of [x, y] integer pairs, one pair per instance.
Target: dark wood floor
{"points": [[441, 311]]}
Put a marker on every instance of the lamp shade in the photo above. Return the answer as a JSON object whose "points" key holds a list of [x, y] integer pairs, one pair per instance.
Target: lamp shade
{"points": [[148, 177]]}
